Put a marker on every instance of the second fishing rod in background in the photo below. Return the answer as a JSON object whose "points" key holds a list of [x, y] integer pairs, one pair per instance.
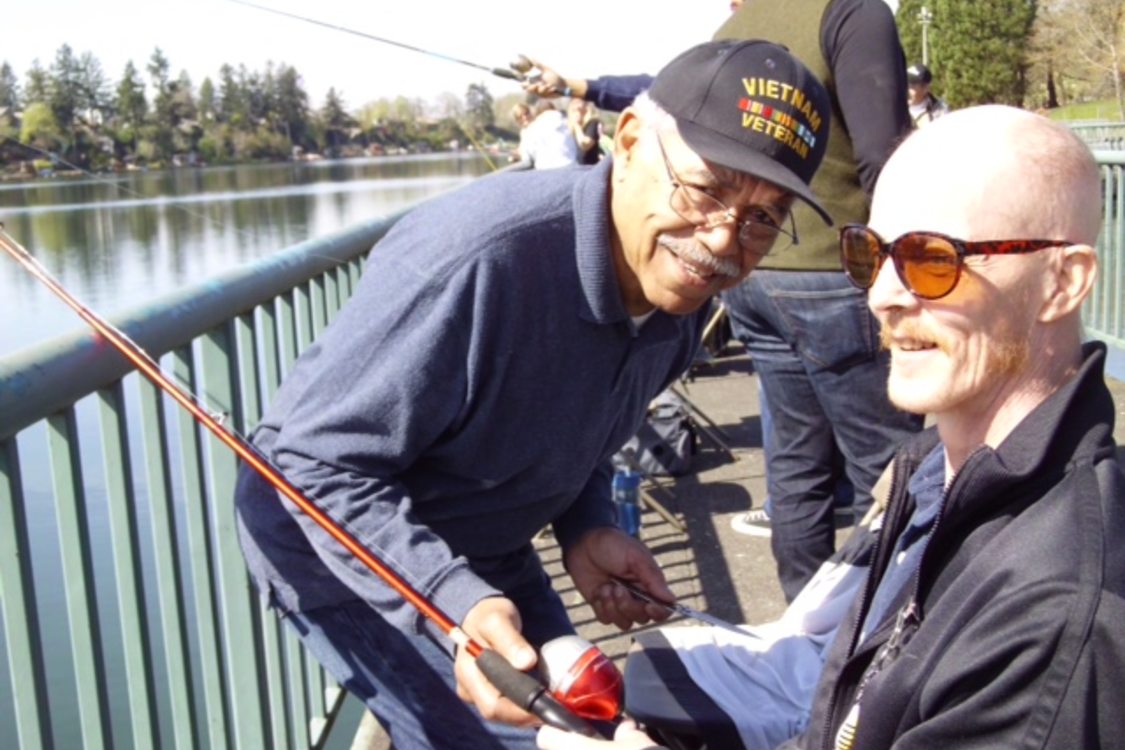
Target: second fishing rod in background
{"points": [[517, 71]]}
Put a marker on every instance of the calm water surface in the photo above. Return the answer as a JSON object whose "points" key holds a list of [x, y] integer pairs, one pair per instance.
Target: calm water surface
{"points": [[120, 241]]}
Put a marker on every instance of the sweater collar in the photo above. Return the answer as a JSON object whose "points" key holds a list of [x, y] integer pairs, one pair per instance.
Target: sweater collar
{"points": [[601, 296]]}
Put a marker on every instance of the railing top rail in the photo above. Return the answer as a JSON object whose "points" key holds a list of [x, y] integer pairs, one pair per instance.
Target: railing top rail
{"points": [[45, 378], [1106, 157]]}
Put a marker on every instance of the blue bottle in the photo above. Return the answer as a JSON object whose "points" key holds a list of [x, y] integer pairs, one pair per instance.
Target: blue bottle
{"points": [[626, 488]]}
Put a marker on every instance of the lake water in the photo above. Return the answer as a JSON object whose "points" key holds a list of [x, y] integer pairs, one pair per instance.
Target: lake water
{"points": [[119, 241]]}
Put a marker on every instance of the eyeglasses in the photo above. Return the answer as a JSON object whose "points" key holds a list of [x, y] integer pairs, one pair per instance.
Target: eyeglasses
{"points": [[929, 264], [756, 233]]}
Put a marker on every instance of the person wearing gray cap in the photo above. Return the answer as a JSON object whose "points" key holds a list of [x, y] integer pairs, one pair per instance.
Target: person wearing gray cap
{"points": [[505, 340]]}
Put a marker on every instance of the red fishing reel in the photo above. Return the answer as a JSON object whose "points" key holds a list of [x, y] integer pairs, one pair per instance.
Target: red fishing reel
{"points": [[582, 678]]}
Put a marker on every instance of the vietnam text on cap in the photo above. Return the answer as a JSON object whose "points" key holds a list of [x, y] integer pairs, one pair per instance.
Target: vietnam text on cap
{"points": [[750, 106]]}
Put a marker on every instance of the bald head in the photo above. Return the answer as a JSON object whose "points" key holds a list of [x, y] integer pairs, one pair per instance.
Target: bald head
{"points": [[991, 172]]}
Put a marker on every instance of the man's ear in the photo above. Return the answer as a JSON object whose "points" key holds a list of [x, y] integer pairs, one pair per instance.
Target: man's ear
{"points": [[1073, 272], [627, 135]]}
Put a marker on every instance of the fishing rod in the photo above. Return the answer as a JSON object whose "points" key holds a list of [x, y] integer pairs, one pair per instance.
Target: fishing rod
{"points": [[521, 688], [501, 72]]}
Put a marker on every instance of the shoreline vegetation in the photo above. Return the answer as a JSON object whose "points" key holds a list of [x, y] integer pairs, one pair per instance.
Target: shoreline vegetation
{"points": [[71, 118]]}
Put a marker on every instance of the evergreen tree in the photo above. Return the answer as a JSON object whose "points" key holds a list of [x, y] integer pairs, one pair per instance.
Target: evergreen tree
{"points": [[182, 114], [182, 100], [130, 106], [63, 91], [93, 86], [335, 121], [978, 48], [158, 69], [910, 28], [37, 84], [292, 105], [229, 105], [162, 121], [9, 88], [207, 101]]}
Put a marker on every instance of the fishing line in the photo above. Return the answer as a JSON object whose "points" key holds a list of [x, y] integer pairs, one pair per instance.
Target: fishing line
{"points": [[500, 72], [523, 689]]}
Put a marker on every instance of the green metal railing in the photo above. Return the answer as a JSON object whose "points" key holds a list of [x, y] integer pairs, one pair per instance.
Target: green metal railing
{"points": [[118, 508], [1104, 311], [1101, 135]]}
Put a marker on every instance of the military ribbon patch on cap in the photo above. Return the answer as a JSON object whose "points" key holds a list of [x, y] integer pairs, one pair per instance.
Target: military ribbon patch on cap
{"points": [[762, 117]]}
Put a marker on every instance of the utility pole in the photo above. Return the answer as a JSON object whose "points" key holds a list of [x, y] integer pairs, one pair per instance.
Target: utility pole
{"points": [[925, 17]]}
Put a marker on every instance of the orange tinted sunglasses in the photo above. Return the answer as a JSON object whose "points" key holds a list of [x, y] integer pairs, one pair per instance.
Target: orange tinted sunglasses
{"points": [[928, 264]]}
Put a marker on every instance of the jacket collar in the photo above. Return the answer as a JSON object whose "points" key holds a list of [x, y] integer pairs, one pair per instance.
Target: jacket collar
{"points": [[1076, 421]]}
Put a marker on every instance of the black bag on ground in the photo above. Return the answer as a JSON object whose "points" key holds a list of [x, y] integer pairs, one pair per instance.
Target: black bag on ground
{"points": [[665, 442]]}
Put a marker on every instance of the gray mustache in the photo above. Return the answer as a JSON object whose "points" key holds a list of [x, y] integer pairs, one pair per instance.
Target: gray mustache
{"points": [[693, 253]]}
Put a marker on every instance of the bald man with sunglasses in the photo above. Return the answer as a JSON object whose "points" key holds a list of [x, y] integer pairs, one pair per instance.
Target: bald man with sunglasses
{"points": [[993, 613]]}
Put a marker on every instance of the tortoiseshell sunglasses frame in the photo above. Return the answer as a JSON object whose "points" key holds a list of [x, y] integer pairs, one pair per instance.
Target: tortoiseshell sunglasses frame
{"points": [[963, 248]]}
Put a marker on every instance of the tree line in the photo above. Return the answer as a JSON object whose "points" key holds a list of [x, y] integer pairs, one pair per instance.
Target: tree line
{"points": [[71, 113], [1037, 54], [1032, 53]]}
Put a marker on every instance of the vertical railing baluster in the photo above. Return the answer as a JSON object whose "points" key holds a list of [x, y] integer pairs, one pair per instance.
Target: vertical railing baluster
{"points": [[289, 336], [302, 308], [318, 305], [19, 611], [78, 581], [331, 295], [236, 614], [298, 688], [201, 560], [168, 578], [268, 351], [1114, 325], [249, 413], [121, 497]]}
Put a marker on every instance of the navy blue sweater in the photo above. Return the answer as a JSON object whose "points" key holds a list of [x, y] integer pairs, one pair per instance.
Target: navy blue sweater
{"points": [[470, 393]]}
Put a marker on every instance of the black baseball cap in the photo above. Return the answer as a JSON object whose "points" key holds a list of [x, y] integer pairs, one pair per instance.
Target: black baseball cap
{"points": [[918, 73], [750, 106]]}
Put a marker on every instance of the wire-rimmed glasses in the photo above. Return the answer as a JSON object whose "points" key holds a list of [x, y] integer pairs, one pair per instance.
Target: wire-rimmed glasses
{"points": [[757, 232]]}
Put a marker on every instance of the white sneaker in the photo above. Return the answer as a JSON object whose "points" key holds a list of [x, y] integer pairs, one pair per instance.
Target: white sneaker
{"points": [[754, 522]]}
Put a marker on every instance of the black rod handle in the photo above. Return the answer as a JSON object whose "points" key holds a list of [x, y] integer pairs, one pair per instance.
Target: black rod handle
{"points": [[530, 694]]}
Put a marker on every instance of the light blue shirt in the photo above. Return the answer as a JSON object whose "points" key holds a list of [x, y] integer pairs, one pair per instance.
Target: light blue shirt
{"points": [[927, 487]]}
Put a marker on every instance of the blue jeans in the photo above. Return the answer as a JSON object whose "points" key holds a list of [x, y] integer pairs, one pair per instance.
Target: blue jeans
{"points": [[815, 347], [843, 495], [406, 679]]}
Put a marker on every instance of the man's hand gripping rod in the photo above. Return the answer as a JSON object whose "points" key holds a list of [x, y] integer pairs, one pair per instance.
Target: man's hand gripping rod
{"points": [[522, 689]]}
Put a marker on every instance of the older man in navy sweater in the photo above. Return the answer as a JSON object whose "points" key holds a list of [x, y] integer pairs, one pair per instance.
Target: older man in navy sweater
{"points": [[504, 343]]}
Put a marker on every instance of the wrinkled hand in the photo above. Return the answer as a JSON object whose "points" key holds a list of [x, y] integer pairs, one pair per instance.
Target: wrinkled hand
{"points": [[604, 553], [495, 624], [627, 737], [545, 82]]}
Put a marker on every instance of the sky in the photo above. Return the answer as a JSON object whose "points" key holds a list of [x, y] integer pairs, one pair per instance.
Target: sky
{"points": [[579, 38]]}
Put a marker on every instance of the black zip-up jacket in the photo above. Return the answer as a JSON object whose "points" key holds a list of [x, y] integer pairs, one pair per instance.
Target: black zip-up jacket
{"points": [[1012, 633]]}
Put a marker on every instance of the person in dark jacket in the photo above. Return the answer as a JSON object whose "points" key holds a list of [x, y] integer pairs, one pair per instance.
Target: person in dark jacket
{"points": [[992, 615], [505, 341]]}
